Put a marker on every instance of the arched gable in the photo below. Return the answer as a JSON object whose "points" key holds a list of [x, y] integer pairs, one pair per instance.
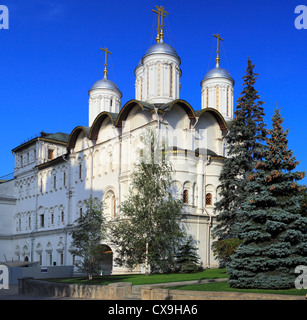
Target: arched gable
{"points": [[75, 134], [218, 117], [93, 135], [184, 104], [123, 115]]}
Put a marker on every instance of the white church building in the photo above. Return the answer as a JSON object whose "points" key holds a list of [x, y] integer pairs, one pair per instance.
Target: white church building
{"points": [[56, 172]]}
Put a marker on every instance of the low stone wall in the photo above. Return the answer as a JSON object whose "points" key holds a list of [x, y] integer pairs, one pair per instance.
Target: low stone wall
{"points": [[120, 290], [152, 293], [113, 291]]}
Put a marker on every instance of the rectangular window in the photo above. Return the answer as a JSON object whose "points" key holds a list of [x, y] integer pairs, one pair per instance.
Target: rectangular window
{"points": [[50, 154], [42, 220], [209, 199], [62, 216], [54, 182], [64, 179], [62, 258], [50, 259], [80, 171]]}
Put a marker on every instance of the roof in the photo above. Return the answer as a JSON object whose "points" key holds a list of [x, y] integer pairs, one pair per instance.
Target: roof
{"points": [[52, 162], [159, 48], [105, 83], [163, 48], [57, 138], [15, 264], [218, 72]]}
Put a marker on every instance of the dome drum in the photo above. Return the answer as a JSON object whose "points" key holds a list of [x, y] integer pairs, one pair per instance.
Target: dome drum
{"points": [[158, 75], [104, 96]]}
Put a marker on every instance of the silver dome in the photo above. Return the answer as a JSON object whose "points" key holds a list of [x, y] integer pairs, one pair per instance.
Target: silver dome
{"points": [[159, 47], [163, 48], [105, 83], [218, 72]]}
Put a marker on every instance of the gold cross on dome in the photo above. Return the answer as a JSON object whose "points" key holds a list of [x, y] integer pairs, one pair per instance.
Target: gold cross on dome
{"points": [[218, 47], [161, 14], [105, 64]]}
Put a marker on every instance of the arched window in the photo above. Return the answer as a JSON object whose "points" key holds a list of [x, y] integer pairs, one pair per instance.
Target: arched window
{"points": [[80, 171], [186, 196], [110, 202], [209, 199]]}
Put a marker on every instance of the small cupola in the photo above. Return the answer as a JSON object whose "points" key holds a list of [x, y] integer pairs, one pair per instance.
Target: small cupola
{"points": [[104, 95], [217, 89], [158, 72]]}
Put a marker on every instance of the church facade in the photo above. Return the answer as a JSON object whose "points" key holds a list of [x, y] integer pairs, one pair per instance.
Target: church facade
{"points": [[55, 173]]}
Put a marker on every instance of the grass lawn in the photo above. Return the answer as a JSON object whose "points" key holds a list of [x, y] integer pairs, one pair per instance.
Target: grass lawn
{"points": [[139, 279], [224, 286]]}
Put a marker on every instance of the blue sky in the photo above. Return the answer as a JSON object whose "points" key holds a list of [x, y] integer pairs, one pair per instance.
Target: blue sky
{"points": [[50, 57]]}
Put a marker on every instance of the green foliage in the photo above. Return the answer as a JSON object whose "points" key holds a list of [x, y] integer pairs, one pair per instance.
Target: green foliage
{"points": [[90, 230], [147, 231], [224, 286], [140, 279], [270, 220], [224, 249], [187, 259], [244, 139]]}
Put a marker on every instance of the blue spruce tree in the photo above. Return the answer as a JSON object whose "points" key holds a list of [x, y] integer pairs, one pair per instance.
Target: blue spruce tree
{"points": [[244, 138], [271, 221]]}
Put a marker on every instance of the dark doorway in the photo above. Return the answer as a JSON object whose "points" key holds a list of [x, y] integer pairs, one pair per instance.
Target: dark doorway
{"points": [[106, 260]]}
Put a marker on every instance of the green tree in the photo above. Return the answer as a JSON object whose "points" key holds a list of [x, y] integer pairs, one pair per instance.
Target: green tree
{"points": [[224, 249], [87, 236], [148, 229], [187, 259], [244, 139], [270, 220]]}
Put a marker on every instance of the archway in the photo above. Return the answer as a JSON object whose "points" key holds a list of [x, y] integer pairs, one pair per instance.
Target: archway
{"points": [[106, 260]]}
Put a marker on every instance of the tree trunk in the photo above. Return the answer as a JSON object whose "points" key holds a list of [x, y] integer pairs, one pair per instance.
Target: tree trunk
{"points": [[146, 261]]}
